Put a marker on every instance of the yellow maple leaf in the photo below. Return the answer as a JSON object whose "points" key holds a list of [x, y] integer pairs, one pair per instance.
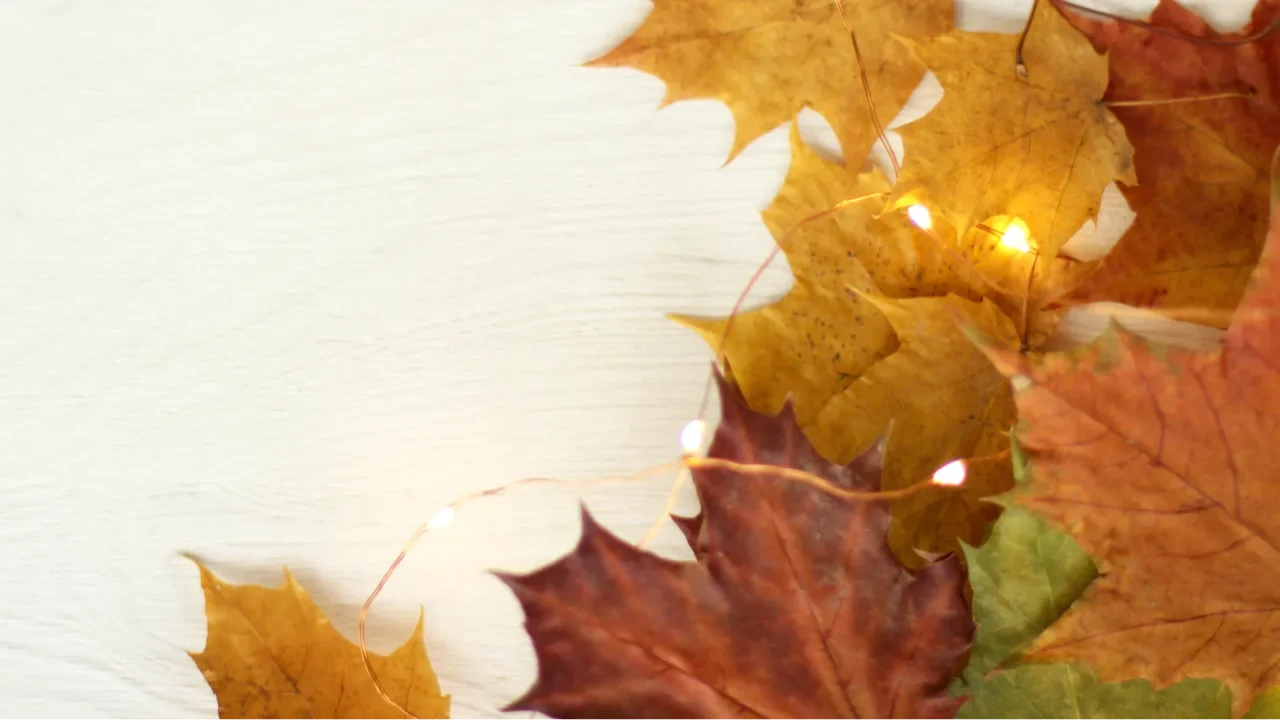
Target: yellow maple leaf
{"points": [[845, 345], [1041, 148], [823, 333], [272, 653], [946, 401], [767, 59]]}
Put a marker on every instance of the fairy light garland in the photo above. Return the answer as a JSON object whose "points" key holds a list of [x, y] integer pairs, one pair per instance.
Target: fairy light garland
{"points": [[951, 475], [1015, 237]]}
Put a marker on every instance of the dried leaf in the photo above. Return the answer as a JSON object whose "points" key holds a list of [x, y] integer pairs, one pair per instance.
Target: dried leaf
{"points": [[1267, 706], [847, 347], [767, 59], [1072, 691], [945, 401], [796, 609], [1201, 197], [808, 344], [271, 653], [1040, 148], [1023, 577], [1160, 463]]}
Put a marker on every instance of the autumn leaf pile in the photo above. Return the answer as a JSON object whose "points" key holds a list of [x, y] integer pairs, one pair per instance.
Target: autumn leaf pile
{"points": [[1135, 569], [1114, 550]]}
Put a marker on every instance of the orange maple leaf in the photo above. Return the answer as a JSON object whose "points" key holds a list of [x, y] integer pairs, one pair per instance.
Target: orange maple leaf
{"points": [[1161, 462], [1201, 197], [272, 653], [795, 608], [768, 59]]}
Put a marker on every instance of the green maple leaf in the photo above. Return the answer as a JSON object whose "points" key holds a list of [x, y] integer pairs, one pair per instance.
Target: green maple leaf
{"points": [[1072, 691], [1023, 578]]}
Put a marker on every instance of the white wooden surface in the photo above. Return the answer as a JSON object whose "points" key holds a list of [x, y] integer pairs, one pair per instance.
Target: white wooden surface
{"points": [[279, 279]]}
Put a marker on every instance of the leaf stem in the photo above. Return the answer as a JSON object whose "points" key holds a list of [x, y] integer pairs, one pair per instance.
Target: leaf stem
{"points": [[1174, 101], [866, 91], [1019, 66], [1026, 305]]}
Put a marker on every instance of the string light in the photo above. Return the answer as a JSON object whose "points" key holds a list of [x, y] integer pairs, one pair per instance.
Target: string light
{"points": [[692, 435], [691, 438], [442, 519], [950, 475], [920, 217], [1015, 237]]}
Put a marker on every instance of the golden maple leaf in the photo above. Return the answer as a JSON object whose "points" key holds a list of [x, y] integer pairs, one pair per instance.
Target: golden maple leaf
{"points": [[824, 332], [868, 336], [768, 59], [946, 401], [1041, 148], [271, 652]]}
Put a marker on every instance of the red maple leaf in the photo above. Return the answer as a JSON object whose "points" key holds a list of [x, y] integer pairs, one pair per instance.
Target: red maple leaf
{"points": [[796, 606], [1202, 164]]}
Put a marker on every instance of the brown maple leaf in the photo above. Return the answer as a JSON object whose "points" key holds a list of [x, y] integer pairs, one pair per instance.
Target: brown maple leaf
{"points": [[1201, 197], [1039, 147], [796, 607], [1161, 462], [767, 59]]}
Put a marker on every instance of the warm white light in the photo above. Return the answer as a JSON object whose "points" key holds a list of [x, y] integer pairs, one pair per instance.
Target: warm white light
{"points": [[442, 519], [920, 217], [952, 474], [691, 436], [1015, 237]]}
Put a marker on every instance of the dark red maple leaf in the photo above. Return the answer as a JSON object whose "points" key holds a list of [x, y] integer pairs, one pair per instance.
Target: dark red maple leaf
{"points": [[796, 606]]}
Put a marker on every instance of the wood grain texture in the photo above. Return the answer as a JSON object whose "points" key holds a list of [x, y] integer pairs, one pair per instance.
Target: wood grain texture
{"points": [[279, 279]]}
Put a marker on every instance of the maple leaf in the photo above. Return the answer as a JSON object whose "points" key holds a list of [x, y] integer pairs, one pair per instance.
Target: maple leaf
{"points": [[796, 607], [1072, 691], [823, 332], [272, 653], [767, 59], [1023, 578], [1201, 197], [1041, 148], [946, 401], [867, 336], [1159, 462]]}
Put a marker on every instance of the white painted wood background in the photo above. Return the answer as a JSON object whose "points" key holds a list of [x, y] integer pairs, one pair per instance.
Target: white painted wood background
{"points": [[279, 279]]}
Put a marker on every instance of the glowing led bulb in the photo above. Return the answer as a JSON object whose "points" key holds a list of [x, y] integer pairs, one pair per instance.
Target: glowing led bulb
{"points": [[952, 474], [691, 436], [443, 518], [920, 217], [1015, 237]]}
